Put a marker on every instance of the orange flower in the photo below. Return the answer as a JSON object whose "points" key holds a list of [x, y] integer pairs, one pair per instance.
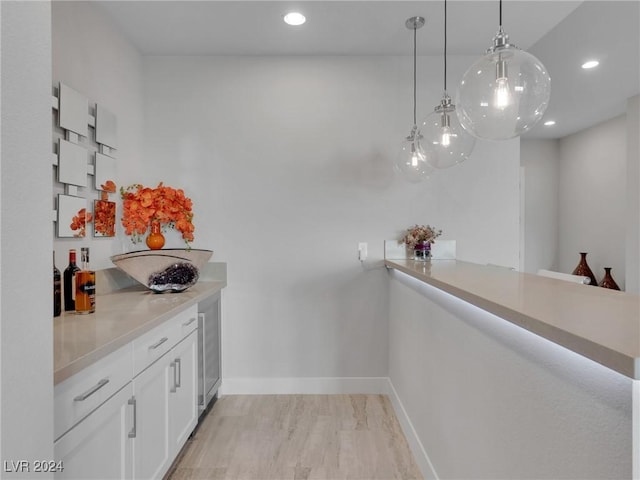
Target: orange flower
{"points": [[167, 205], [105, 218], [108, 186], [79, 222]]}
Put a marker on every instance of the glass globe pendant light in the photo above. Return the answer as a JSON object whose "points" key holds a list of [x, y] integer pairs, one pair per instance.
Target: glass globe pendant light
{"points": [[447, 142], [411, 161], [505, 93]]}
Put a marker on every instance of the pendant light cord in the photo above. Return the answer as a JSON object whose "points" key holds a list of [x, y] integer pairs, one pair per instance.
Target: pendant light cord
{"points": [[445, 47], [500, 14], [415, 29]]}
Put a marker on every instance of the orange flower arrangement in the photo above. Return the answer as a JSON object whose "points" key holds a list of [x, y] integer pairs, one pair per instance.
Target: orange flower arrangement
{"points": [[168, 206]]}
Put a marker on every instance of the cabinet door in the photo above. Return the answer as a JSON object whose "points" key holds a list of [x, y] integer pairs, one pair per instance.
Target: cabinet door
{"points": [[151, 455], [99, 446], [183, 392]]}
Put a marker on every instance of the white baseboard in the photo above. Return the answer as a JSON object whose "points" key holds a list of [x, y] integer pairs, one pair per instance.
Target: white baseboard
{"points": [[304, 385], [635, 427], [419, 453], [333, 386]]}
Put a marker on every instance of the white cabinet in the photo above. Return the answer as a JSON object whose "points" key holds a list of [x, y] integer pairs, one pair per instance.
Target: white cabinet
{"points": [[183, 395], [99, 446], [151, 446], [135, 432], [81, 394], [165, 394], [166, 401]]}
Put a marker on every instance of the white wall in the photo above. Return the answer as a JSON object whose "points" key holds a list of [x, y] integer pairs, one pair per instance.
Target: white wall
{"points": [[289, 163], [91, 56], [592, 197], [26, 340], [540, 160], [489, 400], [632, 258]]}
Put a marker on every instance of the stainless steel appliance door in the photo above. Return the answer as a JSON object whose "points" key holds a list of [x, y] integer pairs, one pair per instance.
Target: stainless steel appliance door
{"points": [[209, 315]]}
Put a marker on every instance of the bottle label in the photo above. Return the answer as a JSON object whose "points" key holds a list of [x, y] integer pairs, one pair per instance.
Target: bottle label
{"points": [[73, 287], [85, 291]]}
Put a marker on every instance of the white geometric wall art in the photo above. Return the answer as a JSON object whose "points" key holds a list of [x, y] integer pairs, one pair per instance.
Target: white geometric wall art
{"points": [[73, 111], [106, 127], [72, 164], [105, 170], [72, 216]]}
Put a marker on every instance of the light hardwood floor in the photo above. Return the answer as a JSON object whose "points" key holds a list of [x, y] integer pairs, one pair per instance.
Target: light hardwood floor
{"points": [[298, 437]]}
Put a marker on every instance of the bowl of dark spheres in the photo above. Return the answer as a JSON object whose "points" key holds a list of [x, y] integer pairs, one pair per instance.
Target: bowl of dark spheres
{"points": [[165, 270]]}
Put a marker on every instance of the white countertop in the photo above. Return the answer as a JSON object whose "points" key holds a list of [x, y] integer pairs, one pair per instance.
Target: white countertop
{"points": [[600, 324], [121, 316]]}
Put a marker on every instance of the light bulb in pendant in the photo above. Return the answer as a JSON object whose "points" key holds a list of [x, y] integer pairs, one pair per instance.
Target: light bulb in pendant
{"points": [[412, 162], [447, 143], [415, 157], [504, 94], [445, 140], [445, 130], [501, 95]]}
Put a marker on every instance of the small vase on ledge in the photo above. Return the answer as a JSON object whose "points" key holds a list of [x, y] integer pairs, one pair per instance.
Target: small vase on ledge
{"points": [[155, 239], [422, 252], [608, 281], [584, 271]]}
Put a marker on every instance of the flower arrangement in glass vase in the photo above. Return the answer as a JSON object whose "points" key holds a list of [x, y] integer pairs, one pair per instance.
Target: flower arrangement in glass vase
{"points": [[419, 239], [161, 207]]}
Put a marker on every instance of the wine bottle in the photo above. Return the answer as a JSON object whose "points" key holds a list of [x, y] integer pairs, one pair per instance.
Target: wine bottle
{"points": [[57, 289], [70, 282], [85, 285]]}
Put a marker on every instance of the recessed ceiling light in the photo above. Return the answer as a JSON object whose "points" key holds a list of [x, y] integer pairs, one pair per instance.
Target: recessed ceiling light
{"points": [[590, 64], [548, 123], [294, 18]]}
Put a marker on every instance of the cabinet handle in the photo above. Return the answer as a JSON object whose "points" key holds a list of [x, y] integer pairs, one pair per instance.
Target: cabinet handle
{"points": [[158, 343], [202, 362], [175, 370], [186, 324], [82, 397], [179, 368], [132, 401]]}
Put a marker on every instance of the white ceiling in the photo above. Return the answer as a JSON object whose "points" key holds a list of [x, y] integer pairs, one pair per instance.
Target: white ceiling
{"points": [[560, 33]]}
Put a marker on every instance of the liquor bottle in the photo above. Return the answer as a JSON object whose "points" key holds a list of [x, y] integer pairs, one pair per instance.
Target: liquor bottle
{"points": [[57, 289], [70, 282], [85, 285]]}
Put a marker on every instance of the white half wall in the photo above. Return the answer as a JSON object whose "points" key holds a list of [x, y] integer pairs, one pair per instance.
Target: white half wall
{"points": [[26, 310], [540, 160], [289, 163], [592, 199], [485, 399]]}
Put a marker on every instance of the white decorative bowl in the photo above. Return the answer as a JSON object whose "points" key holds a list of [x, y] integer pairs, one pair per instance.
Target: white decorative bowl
{"points": [[164, 270]]}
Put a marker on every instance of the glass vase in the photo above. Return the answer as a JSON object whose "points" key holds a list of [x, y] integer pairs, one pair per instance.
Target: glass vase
{"points": [[608, 281], [584, 271], [422, 252]]}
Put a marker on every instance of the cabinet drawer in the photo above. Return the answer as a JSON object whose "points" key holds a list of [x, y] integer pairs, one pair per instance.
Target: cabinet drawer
{"points": [[186, 321], [82, 393], [155, 343]]}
